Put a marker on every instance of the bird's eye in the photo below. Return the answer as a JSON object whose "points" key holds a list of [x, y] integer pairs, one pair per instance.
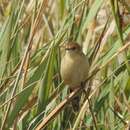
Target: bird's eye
{"points": [[73, 48]]}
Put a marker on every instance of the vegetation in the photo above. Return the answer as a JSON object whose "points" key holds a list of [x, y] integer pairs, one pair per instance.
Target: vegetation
{"points": [[32, 93]]}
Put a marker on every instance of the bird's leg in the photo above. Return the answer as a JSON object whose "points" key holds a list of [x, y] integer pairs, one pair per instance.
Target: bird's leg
{"points": [[83, 88], [86, 92]]}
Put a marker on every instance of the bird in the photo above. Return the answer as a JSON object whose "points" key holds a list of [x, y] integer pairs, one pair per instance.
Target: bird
{"points": [[74, 66]]}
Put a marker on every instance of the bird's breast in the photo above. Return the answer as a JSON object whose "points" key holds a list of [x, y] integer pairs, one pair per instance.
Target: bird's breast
{"points": [[73, 71]]}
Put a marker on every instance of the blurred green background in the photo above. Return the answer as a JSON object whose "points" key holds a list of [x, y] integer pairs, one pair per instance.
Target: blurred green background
{"points": [[31, 33]]}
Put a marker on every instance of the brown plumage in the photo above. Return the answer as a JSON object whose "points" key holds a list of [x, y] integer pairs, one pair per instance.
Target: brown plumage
{"points": [[74, 65], [72, 46], [74, 69]]}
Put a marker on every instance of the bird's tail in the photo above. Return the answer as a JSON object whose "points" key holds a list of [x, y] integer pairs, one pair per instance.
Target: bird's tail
{"points": [[76, 101]]}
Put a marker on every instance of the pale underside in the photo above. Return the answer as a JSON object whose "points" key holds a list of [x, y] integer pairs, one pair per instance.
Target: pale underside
{"points": [[74, 70]]}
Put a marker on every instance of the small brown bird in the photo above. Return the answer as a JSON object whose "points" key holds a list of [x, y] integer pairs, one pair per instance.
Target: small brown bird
{"points": [[74, 69], [74, 65]]}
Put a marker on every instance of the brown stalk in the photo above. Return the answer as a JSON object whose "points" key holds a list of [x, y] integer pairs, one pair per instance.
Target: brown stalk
{"points": [[57, 110], [54, 112]]}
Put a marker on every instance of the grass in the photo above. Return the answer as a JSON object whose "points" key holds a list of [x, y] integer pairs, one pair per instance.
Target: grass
{"points": [[32, 93]]}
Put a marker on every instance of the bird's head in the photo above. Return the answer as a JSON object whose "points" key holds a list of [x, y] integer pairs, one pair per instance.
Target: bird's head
{"points": [[73, 48]]}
